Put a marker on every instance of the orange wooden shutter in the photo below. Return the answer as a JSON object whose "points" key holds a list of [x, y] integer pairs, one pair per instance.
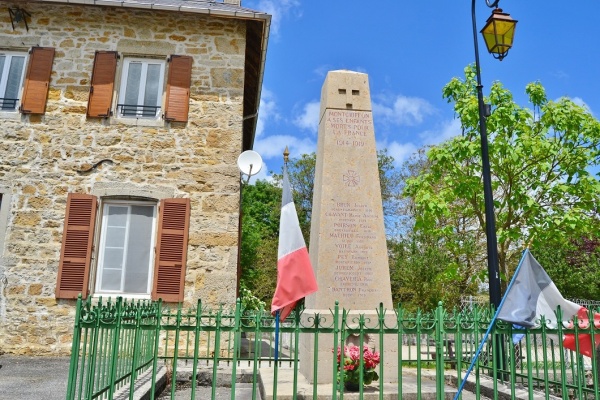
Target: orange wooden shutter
{"points": [[178, 89], [76, 252], [37, 80], [103, 81], [171, 250]]}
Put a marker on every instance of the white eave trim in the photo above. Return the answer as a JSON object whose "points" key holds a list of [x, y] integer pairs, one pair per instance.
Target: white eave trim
{"points": [[242, 14]]}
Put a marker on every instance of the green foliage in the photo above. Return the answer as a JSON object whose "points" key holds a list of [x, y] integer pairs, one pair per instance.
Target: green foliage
{"points": [[573, 265], [301, 172], [261, 207], [250, 302], [540, 164], [423, 273]]}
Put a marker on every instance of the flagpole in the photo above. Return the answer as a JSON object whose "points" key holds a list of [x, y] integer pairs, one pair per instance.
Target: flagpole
{"points": [[487, 333], [286, 154], [277, 335]]}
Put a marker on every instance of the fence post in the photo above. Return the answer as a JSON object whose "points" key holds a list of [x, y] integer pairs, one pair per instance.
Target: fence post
{"points": [[236, 336], [216, 351], [336, 346], [381, 318], [115, 348], [296, 341], [74, 352], [399, 320], [439, 352], [156, 345], [197, 330], [91, 373], [136, 345], [176, 351]]}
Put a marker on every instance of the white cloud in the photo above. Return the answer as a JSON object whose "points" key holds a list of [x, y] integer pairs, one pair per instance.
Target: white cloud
{"points": [[273, 146], [401, 110], [579, 101], [267, 111], [309, 118], [400, 151], [278, 9], [446, 130]]}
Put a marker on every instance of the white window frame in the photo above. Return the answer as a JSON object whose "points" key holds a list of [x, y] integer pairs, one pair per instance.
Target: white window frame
{"points": [[102, 242], [123, 86], [4, 76]]}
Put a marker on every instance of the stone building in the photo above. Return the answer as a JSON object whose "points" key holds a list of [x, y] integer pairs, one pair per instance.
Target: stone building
{"points": [[121, 123]]}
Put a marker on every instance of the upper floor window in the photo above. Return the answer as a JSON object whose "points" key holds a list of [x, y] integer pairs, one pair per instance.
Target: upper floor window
{"points": [[141, 89], [12, 71]]}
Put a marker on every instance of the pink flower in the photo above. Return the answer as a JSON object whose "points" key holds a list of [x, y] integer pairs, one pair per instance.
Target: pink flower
{"points": [[352, 357]]}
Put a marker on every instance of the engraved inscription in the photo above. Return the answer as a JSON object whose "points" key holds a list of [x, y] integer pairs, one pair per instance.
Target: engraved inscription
{"points": [[349, 128], [354, 235]]}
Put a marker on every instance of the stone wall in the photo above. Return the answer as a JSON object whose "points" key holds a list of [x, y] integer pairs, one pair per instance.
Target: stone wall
{"points": [[41, 154]]}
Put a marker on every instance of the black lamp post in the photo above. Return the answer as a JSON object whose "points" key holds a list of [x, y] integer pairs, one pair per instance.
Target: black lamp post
{"points": [[498, 34]]}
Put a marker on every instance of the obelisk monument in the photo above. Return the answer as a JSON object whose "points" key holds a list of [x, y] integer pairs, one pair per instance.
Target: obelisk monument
{"points": [[347, 241]]}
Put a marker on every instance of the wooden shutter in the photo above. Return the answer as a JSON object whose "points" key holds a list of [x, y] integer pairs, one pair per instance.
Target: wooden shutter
{"points": [[178, 89], [37, 80], [103, 82], [171, 250], [76, 252]]}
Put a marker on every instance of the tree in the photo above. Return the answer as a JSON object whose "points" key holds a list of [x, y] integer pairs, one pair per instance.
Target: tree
{"points": [[540, 162], [422, 273], [574, 265], [302, 175], [261, 207]]}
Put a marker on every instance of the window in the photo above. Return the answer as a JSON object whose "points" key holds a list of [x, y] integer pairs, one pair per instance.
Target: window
{"points": [[141, 89], [12, 72], [142, 248], [125, 256]]}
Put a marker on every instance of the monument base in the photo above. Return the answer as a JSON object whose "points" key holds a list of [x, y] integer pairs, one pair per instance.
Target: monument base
{"points": [[324, 352]]}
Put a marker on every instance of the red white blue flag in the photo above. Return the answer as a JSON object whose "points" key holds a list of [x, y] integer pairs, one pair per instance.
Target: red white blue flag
{"points": [[295, 275], [532, 295]]}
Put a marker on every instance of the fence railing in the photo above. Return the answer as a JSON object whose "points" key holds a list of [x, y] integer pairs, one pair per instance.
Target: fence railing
{"points": [[115, 343]]}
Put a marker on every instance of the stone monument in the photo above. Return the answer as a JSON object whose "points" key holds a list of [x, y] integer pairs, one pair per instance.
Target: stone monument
{"points": [[347, 241]]}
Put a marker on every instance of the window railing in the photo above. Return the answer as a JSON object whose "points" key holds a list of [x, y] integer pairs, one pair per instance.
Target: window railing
{"points": [[137, 110], [116, 343], [7, 104]]}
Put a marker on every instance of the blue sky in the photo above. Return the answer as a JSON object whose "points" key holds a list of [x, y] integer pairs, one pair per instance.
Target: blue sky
{"points": [[410, 50]]}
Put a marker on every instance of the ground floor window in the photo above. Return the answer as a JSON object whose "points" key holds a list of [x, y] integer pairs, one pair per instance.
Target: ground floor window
{"points": [[123, 247], [125, 256]]}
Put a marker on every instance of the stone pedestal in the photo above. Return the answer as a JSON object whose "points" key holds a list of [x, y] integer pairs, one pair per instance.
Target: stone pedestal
{"points": [[347, 244]]}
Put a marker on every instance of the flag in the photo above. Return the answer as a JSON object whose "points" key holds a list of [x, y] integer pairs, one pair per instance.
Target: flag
{"points": [[295, 275], [532, 295]]}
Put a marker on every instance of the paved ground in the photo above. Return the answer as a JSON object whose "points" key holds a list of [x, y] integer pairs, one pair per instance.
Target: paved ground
{"points": [[33, 378], [45, 378]]}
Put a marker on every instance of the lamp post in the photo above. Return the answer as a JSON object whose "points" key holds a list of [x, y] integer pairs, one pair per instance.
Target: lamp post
{"points": [[498, 34]]}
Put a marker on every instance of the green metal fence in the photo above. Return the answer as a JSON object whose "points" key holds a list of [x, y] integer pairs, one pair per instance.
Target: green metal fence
{"points": [[115, 343]]}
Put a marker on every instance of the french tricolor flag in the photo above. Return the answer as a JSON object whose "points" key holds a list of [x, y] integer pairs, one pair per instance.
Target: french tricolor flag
{"points": [[533, 294], [295, 275]]}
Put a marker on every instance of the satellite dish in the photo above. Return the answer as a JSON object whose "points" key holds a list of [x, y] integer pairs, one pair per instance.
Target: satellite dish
{"points": [[250, 163]]}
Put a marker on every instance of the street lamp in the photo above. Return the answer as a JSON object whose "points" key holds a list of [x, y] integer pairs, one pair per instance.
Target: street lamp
{"points": [[498, 34]]}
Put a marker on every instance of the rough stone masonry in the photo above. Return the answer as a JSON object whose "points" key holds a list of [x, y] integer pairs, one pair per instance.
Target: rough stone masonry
{"points": [[41, 154]]}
